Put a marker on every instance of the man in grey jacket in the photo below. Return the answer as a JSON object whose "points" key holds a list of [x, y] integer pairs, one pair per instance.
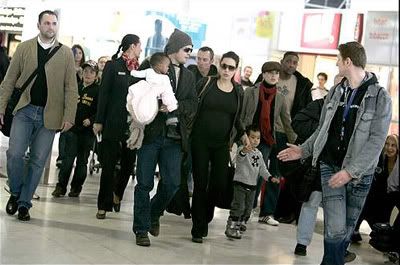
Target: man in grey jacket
{"points": [[354, 123]]}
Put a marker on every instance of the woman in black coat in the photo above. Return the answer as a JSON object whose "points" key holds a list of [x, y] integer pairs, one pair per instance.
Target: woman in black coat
{"points": [[112, 124], [216, 126]]}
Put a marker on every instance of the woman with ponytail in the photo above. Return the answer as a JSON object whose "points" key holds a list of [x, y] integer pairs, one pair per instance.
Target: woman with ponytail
{"points": [[112, 124]]}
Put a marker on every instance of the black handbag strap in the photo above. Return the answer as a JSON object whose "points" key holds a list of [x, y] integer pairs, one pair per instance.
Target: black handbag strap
{"points": [[29, 80]]}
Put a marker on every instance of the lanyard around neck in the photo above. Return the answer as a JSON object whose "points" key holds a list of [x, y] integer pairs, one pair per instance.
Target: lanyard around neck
{"points": [[348, 103]]}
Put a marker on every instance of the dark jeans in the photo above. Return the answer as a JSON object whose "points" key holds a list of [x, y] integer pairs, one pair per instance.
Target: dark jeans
{"points": [[112, 152], [210, 165], [167, 154], [269, 191], [77, 145], [241, 203]]}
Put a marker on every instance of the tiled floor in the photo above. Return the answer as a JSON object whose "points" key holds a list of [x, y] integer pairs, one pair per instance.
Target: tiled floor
{"points": [[65, 231]]}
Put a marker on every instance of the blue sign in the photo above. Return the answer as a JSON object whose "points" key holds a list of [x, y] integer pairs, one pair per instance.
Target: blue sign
{"points": [[194, 28]]}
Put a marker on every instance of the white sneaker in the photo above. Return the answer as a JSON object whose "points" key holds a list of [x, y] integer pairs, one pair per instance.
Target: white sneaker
{"points": [[269, 220]]}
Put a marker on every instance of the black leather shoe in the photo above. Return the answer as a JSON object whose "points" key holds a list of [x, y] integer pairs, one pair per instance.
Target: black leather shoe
{"points": [[73, 193], [196, 239], [23, 214], [12, 205], [117, 207], [101, 215], [155, 228], [349, 256], [142, 240], [300, 250], [58, 192]]}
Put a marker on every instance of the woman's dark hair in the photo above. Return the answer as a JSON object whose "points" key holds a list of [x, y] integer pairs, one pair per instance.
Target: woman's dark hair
{"points": [[77, 46], [126, 42], [233, 56]]}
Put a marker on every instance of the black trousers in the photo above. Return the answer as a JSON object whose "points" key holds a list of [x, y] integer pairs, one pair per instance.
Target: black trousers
{"points": [[112, 181], [210, 166], [77, 145]]}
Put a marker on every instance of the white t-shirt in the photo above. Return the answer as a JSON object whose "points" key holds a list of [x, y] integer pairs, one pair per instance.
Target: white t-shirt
{"points": [[317, 93]]}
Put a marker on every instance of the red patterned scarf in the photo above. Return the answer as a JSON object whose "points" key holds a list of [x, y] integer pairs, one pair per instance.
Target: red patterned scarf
{"points": [[131, 63], [266, 96]]}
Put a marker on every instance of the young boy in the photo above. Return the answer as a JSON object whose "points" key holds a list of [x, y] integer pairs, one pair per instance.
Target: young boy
{"points": [[146, 98], [79, 139], [249, 165]]}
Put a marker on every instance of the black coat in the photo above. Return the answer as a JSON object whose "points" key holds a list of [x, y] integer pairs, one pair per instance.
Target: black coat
{"points": [[87, 106], [302, 95], [111, 109], [306, 120], [185, 94], [195, 70]]}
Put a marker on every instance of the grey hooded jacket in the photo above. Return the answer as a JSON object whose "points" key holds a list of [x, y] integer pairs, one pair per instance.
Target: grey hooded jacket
{"points": [[370, 130]]}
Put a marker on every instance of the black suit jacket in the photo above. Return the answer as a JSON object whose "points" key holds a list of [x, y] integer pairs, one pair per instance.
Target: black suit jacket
{"points": [[111, 109]]}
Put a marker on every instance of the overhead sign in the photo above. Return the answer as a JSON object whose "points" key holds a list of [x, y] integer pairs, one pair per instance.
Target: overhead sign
{"points": [[12, 18], [381, 40]]}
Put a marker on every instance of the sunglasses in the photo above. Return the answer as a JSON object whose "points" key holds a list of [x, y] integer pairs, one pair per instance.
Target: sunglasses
{"points": [[227, 66], [188, 50]]}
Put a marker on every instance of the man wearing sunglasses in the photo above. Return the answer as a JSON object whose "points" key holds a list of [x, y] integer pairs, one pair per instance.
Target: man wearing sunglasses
{"points": [[161, 145]]}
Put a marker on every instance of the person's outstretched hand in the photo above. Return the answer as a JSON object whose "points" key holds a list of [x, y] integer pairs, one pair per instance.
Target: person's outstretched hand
{"points": [[294, 152]]}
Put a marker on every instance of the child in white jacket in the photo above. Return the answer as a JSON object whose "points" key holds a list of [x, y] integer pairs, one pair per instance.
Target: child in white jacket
{"points": [[143, 98]]}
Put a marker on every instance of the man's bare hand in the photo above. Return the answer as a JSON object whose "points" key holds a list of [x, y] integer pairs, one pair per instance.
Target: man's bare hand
{"points": [[275, 180], [294, 152], [66, 126], [97, 128], [86, 122], [340, 179]]}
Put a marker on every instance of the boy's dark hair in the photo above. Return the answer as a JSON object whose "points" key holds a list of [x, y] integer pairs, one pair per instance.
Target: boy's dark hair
{"points": [[47, 12], [253, 128], [324, 75], [157, 58]]}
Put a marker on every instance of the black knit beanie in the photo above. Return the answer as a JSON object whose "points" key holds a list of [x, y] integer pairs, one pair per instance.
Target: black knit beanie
{"points": [[176, 41]]}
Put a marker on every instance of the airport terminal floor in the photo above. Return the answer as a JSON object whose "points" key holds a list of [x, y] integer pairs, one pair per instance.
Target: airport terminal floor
{"points": [[65, 231]]}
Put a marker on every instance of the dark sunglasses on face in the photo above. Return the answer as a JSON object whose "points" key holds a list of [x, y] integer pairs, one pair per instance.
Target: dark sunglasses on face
{"points": [[226, 66], [188, 50]]}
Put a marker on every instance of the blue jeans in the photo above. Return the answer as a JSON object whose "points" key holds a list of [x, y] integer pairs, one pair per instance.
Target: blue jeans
{"points": [[308, 217], [342, 208], [27, 130], [167, 154]]}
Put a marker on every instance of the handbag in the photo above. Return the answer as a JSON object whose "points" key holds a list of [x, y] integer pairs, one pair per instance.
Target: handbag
{"points": [[16, 95]]}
